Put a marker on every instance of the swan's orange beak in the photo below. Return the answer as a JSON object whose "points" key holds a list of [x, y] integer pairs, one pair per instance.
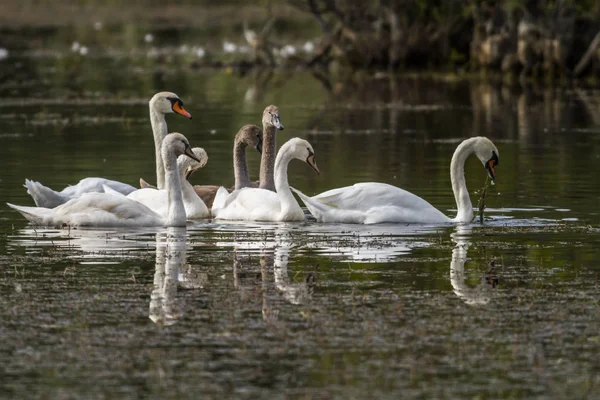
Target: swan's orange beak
{"points": [[310, 160], [178, 108]]}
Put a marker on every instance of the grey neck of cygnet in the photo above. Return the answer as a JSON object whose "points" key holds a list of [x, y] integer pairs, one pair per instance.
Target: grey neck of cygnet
{"points": [[240, 168], [159, 128], [267, 161]]}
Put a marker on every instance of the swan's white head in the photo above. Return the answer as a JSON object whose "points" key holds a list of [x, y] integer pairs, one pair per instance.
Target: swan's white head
{"points": [[271, 117], [187, 166], [177, 144], [167, 103], [488, 154], [250, 135], [302, 150]]}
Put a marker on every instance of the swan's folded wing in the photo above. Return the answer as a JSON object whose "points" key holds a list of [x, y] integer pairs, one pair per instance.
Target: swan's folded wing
{"points": [[44, 196], [109, 190], [253, 199], [103, 209], [360, 196], [156, 200], [250, 204], [94, 209], [367, 195], [220, 200], [93, 184]]}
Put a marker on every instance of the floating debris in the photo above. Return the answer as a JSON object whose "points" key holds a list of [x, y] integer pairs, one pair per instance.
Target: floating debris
{"points": [[149, 38]]}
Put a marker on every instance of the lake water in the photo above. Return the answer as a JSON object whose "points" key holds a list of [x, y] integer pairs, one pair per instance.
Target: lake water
{"points": [[302, 310]]}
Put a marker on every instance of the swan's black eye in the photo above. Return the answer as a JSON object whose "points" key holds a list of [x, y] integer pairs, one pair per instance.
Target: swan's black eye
{"points": [[310, 152]]}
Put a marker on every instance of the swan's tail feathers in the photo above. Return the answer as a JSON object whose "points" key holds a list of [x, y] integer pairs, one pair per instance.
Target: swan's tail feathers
{"points": [[109, 190], [144, 184], [220, 198], [44, 196], [315, 207], [32, 214]]}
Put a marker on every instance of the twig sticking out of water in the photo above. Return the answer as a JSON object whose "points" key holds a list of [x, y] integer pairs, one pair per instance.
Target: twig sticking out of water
{"points": [[481, 203]]}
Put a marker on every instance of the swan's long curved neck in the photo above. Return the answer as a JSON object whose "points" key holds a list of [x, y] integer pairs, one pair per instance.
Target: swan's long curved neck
{"points": [[240, 167], [187, 190], [176, 215], [282, 187], [459, 186], [159, 129], [269, 153]]}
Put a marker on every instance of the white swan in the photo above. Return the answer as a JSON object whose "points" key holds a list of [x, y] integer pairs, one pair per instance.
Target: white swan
{"points": [[371, 202], [104, 209], [158, 199], [161, 103], [248, 135], [254, 204]]}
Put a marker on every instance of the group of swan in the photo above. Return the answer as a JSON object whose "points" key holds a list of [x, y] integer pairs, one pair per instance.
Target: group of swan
{"points": [[108, 209], [102, 202]]}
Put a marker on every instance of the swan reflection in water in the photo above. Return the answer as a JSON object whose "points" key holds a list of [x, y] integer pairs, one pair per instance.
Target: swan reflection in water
{"points": [[171, 248], [342, 242], [276, 258], [480, 294]]}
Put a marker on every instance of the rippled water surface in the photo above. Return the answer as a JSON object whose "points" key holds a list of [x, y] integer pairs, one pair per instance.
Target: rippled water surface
{"points": [[509, 308]]}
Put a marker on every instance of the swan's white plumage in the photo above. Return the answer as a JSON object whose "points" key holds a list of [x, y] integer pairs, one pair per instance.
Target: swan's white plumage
{"points": [[161, 103], [371, 202], [105, 209], [43, 196], [93, 209], [158, 200], [254, 204]]}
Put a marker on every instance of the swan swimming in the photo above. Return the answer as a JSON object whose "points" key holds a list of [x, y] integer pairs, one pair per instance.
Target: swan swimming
{"points": [[372, 202], [255, 204], [105, 209], [158, 199], [161, 103]]}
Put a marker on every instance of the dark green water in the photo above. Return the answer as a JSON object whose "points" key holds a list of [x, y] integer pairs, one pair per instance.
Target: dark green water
{"points": [[302, 310]]}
